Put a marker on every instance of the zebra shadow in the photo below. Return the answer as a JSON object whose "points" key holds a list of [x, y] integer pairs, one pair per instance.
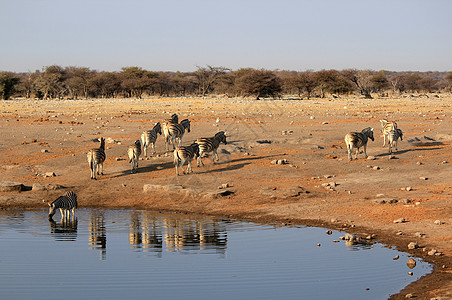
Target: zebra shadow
{"points": [[226, 168], [245, 161], [146, 169], [399, 152]]}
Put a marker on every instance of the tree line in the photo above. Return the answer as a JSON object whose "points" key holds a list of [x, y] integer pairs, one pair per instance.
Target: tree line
{"points": [[57, 82]]}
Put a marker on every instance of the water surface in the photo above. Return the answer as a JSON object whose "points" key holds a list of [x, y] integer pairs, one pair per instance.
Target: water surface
{"points": [[124, 254]]}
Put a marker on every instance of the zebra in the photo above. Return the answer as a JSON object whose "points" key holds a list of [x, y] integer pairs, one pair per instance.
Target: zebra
{"points": [[134, 153], [174, 120], [358, 140], [386, 127], [96, 158], [183, 154], [210, 145], [176, 131], [393, 136], [149, 137], [65, 203]]}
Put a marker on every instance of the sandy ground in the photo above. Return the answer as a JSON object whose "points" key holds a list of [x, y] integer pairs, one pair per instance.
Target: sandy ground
{"points": [[317, 186]]}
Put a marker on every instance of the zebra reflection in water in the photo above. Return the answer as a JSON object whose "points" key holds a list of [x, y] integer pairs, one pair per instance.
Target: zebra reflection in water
{"points": [[97, 234], [65, 230]]}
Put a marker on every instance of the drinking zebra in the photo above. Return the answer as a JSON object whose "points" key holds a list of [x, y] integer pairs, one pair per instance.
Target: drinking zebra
{"points": [[393, 136], [174, 120], [176, 131], [184, 154], [386, 127], [149, 137], [96, 158], [207, 145], [66, 204], [358, 140], [134, 153]]}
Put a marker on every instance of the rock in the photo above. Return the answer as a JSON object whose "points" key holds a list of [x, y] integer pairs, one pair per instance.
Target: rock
{"points": [[396, 257], [224, 185], [349, 237], [405, 201], [423, 178], [409, 188], [264, 142], [376, 168], [54, 187], [324, 123], [49, 174], [110, 140], [432, 252], [44, 151], [399, 233], [411, 263], [413, 245], [411, 274], [409, 296], [400, 220], [371, 157], [391, 157], [120, 158], [438, 222], [38, 187], [419, 234], [10, 186], [419, 163], [329, 232]]}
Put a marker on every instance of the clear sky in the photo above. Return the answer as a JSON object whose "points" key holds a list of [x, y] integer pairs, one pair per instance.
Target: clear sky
{"points": [[179, 35]]}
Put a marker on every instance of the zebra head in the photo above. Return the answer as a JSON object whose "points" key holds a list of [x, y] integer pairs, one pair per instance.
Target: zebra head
{"points": [[369, 132], [195, 147], [158, 128], [400, 133], [52, 210], [186, 124], [175, 118], [102, 143], [138, 143], [221, 136]]}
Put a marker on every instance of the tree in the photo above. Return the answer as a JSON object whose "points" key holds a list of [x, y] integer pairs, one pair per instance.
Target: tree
{"points": [[206, 77], [50, 82], [135, 81], [77, 81], [105, 84], [303, 82], [449, 80], [331, 81], [7, 84], [260, 83]]}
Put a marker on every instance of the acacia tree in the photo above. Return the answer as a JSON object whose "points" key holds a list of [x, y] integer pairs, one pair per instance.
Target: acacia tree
{"points": [[206, 77], [49, 84], [7, 84], [78, 80], [303, 82], [105, 84], [260, 83]]}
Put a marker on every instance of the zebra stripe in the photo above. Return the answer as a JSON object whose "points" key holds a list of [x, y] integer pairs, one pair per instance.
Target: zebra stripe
{"points": [[65, 203], [149, 137], [176, 131], [207, 145], [386, 127], [174, 120], [358, 140], [134, 153], [96, 158], [393, 136], [183, 154]]}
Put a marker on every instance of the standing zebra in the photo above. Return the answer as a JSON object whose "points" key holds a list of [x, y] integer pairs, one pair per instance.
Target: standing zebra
{"points": [[174, 120], [386, 127], [65, 203], [176, 131], [358, 140], [134, 153], [183, 154], [393, 136], [149, 137], [210, 145], [96, 158]]}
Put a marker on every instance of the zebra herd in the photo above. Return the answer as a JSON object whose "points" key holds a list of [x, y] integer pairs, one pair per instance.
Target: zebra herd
{"points": [[359, 139], [173, 132]]}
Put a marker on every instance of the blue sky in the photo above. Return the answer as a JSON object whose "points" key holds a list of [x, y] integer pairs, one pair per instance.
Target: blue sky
{"points": [[173, 35]]}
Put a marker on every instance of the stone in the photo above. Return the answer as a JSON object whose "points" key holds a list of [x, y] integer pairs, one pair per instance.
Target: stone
{"points": [[10, 186], [423, 178], [54, 187], [329, 232], [438, 222], [432, 252], [38, 187], [400, 220], [371, 157], [411, 263], [376, 168], [419, 234], [49, 174], [413, 245], [44, 151], [396, 257]]}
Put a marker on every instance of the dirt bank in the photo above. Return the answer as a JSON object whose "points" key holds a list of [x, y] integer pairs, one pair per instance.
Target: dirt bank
{"points": [[285, 162]]}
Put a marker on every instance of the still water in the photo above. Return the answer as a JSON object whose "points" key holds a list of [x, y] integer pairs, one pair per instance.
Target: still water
{"points": [[128, 254]]}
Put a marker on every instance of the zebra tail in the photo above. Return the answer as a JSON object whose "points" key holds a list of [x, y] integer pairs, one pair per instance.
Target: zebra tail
{"points": [[91, 160]]}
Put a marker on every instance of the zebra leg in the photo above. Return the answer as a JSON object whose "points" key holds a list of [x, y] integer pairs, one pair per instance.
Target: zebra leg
{"points": [[365, 152], [349, 152], [384, 139], [145, 150], [153, 148], [102, 168], [189, 169], [215, 154], [356, 153]]}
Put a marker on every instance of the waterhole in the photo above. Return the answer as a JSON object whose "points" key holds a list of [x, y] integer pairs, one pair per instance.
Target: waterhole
{"points": [[128, 254]]}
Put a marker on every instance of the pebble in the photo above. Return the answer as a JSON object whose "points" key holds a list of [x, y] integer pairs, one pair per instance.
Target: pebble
{"points": [[399, 233], [409, 295], [411, 263], [400, 220], [413, 245], [329, 232], [411, 274], [44, 151], [432, 252], [419, 163], [391, 157], [423, 178], [371, 157], [419, 234], [396, 257], [49, 174], [438, 222], [376, 168]]}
